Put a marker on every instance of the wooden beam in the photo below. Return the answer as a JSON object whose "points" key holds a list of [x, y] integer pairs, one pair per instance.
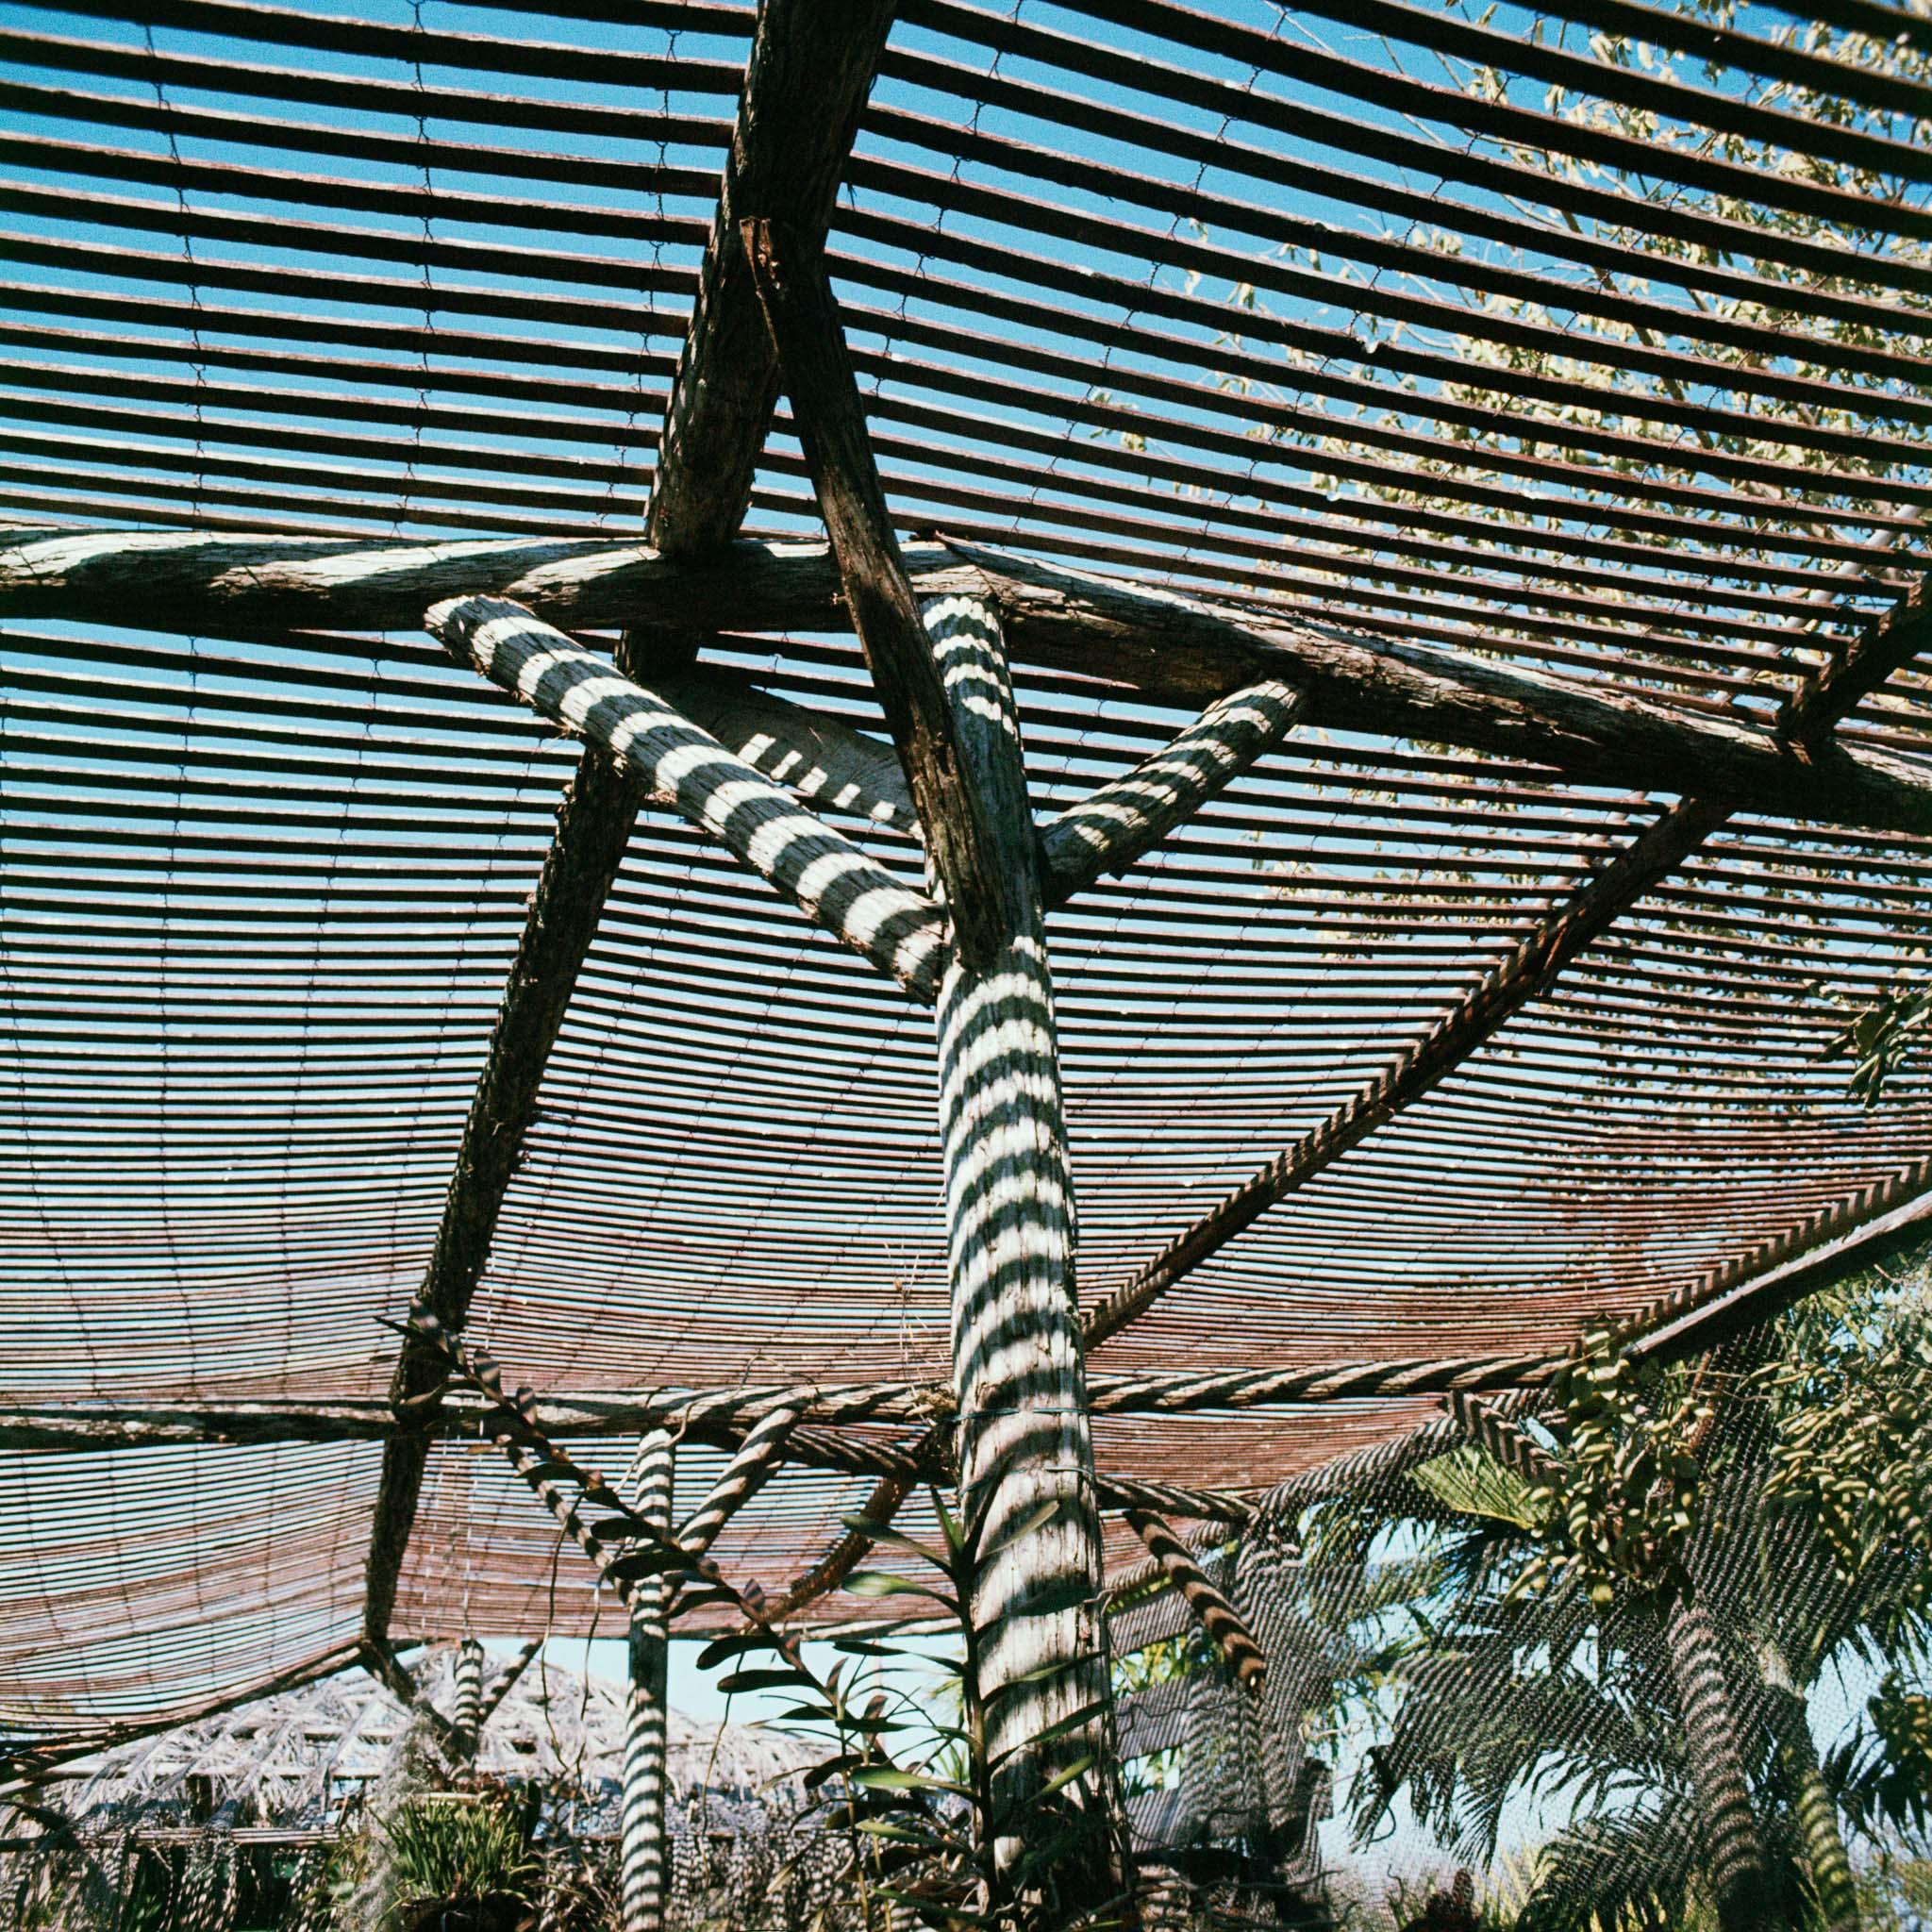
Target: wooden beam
{"points": [[757, 1458], [1210, 1610], [466, 1711], [1120, 822], [642, 1861], [1169, 649], [722, 1417], [788, 273], [833, 883], [1026, 1453], [505, 1680], [805, 83]]}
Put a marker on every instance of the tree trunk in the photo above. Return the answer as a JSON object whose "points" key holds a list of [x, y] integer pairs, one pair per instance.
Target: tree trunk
{"points": [[466, 1711], [1024, 1445], [1814, 1806], [648, 1492], [1734, 1857]]}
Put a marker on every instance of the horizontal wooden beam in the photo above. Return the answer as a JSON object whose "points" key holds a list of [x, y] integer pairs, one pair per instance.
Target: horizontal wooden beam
{"points": [[834, 882], [1167, 649], [721, 1418]]}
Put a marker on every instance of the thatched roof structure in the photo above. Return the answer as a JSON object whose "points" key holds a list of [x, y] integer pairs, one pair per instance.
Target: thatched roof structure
{"points": [[290, 1766]]}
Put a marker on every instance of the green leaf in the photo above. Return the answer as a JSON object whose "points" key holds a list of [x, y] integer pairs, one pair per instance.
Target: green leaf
{"points": [[1037, 1518], [1061, 1727], [663, 1560], [883, 1582], [885, 1533], [889, 1778], [767, 1680]]}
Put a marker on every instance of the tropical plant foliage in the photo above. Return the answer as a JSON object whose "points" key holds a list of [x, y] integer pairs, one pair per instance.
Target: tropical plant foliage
{"points": [[1787, 1500], [915, 1790]]}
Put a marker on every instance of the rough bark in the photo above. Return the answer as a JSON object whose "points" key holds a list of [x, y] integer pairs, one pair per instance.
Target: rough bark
{"points": [[645, 1860], [1210, 1610], [1815, 1810], [1169, 649], [806, 85], [466, 1711], [1026, 1453], [1733, 1854]]}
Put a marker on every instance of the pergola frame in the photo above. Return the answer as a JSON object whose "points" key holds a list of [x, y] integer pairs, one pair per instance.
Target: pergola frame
{"points": [[936, 622]]}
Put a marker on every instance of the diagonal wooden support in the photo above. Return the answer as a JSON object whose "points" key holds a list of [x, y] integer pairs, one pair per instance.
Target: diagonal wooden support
{"points": [[806, 80], [505, 1680], [663, 753], [1808, 722], [788, 273], [757, 1457], [1124, 819], [1211, 1610]]}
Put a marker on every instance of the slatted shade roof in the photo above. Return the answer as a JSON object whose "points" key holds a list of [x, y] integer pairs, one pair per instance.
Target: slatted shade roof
{"points": [[1606, 368]]}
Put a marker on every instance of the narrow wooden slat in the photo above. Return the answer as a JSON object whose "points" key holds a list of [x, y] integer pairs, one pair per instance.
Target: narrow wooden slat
{"points": [[653, 746], [1883, 646]]}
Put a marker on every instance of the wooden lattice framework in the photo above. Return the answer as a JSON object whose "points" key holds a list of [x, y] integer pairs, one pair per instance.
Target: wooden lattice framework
{"points": [[938, 616]]}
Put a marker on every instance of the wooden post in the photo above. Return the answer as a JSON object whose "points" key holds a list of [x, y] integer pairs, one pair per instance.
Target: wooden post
{"points": [[466, 1714], [1025, 1444], [1733, 1853], [647, 1491]]}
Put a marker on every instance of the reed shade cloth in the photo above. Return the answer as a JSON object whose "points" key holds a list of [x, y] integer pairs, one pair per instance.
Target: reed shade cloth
{"points": [[1107, 276]]}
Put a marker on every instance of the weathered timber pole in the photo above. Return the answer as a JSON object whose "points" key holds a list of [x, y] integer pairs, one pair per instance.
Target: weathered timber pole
{"points": [[1218, 1618], [721, 1418], [643, 1851], [1172, 650], [1734, 1860], [663, 753], [505, 1680], [466, 1710], [1025, 1451]]}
